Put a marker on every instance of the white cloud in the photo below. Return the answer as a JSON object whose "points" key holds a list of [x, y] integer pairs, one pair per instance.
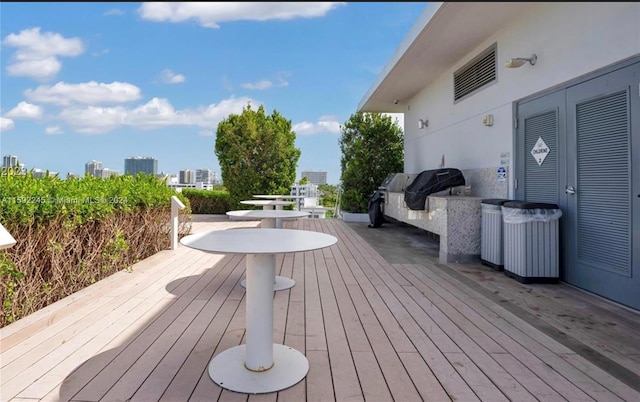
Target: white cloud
{"points": [[206, 133], [89, 93], [115, 11], [154, 114], [226, 83], [25, 110], [92, 119], [100, 53], [40, 69], [37, 54], [260, 85], [209, 14], [325, 124], [169, 77], [6, 124], [53, 130], [280, 81]]}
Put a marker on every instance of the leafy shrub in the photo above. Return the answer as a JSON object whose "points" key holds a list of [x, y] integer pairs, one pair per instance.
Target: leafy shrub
{"points": [[25, 199], [372, 147], [207, 201], [72, 233]]}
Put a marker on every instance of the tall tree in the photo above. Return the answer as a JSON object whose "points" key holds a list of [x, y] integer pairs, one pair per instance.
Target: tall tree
{"points": [[372, 146], [256, 153]]}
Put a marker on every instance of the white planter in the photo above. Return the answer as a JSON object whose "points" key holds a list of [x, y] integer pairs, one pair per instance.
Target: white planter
{"points": [[353, 217]]}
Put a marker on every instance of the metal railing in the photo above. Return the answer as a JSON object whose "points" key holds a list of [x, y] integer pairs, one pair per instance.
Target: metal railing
{"points": [[176, 206], [6, 240]]}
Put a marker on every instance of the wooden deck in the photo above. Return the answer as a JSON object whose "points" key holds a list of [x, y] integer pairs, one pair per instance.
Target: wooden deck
{"points": [[373, 328]]}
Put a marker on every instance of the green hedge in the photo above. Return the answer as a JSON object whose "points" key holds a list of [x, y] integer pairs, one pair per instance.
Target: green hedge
{"points": [[207, 201], [72, 233], [25, 199]]}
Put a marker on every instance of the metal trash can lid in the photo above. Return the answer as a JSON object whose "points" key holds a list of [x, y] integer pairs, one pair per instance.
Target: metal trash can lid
{"points": [[495, 201], [529, 205]]}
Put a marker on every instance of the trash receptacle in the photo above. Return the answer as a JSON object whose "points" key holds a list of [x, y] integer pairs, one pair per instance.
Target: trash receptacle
{"points": [[376, 209], [531, 241], [491, 236]]}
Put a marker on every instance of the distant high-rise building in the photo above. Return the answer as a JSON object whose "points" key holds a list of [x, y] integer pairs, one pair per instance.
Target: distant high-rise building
{"points": [[187, 177], [138, 164], [106, 172], [205, 176], [9, 161], [304, 190], [92, 167], [316, 178], [40, 173]]}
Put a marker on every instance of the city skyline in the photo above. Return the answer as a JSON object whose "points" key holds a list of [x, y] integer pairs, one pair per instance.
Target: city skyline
{"points": [[103, 81], [83, 170], [93, 167]]}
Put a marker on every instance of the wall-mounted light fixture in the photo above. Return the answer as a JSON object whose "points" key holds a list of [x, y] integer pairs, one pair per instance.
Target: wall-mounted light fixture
{"points": [[422, 123], [488, 120], [519, 61]]}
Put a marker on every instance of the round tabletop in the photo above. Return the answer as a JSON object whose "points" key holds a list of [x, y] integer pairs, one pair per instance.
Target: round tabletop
{"points": [[258, 241], [267, 202], [279, 197], [267, 213]]}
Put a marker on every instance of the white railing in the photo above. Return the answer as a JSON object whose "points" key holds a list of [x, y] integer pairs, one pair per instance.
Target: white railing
{"points": [[176, 206], [6, 240]]}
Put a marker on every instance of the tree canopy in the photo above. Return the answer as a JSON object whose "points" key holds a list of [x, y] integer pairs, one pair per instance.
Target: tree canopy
{"points": [[372, 146], [256, 153]]}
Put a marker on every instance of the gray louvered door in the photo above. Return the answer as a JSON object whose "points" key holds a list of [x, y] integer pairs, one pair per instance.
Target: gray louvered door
{"points": [[592, 171], [540, 119], [603, 116]]}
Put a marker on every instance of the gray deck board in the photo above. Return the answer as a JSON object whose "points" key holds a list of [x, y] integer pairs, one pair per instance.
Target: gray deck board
{"points": [[372, 328]]}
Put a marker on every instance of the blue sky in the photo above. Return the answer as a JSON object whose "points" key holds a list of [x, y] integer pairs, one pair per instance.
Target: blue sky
{"points": [[106, 81]]}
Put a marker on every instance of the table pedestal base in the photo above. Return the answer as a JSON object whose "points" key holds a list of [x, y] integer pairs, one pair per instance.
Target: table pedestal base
{"points": [[281, 283], [227, 369]]}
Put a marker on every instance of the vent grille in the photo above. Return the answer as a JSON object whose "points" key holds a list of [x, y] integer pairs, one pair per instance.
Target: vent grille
{"points": [[541, 180], [604, 183], [478, 73]]}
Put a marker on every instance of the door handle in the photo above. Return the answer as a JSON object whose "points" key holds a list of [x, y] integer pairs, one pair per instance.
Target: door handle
{"points": [[570, 190]]}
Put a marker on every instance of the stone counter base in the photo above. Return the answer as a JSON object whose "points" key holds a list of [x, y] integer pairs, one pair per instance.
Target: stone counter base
{"points": [[456, 219]]}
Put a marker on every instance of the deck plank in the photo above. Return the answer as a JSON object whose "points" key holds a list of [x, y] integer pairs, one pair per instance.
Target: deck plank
{"points": [[342, 367], [163, 372], [60, 345], [535, 353], [372, 330], [591, 329], [111, 375], [206, 389], [314, 322]]}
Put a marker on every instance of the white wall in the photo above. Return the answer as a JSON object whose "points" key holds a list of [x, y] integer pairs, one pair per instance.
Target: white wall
{"points": [[570, 39]]}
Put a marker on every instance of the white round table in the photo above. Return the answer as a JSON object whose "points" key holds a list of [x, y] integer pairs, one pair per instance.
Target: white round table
{"points": [[270, 205], [268, 217], [268, 220], [259, 366], [281, 197]]}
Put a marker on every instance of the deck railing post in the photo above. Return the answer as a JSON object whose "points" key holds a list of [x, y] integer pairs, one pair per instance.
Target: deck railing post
{"points": [[6, 240], [176, 206]]}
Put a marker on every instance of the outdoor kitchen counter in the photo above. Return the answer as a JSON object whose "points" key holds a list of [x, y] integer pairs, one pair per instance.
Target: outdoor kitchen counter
{"points": [[456, 219]]}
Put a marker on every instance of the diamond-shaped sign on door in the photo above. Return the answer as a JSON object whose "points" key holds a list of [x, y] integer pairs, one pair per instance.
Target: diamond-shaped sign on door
{"points": [[540, 151]]}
